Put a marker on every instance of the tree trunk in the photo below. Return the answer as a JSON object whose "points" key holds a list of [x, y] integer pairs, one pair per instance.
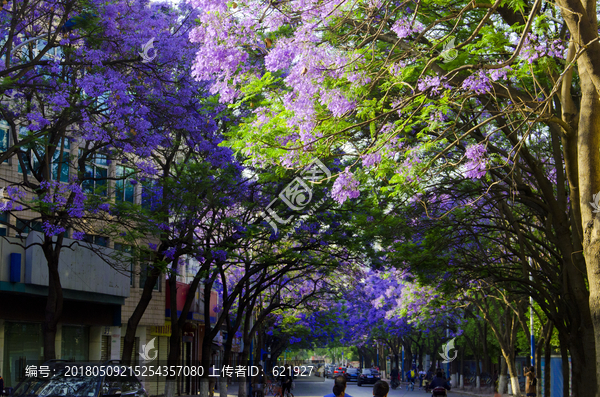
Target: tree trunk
{"points": [[477, 373], [545, 335], [514, 376], [54, 303], [226, 359], [503, 379], [243, 385], [565, 366], [408, 357], [136, 316], [206, 364], [485, 356], [581, 19], [589, 183], [547, 358], [174, 339], [461, 370]]}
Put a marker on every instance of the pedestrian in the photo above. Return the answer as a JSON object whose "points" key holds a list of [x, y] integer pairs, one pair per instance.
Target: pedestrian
{"points": [[531, 383], [381, 389], [411, 376], [339, 387], [258, 383], [395, 377], [338, 391], [286, 381], [422, 375]]}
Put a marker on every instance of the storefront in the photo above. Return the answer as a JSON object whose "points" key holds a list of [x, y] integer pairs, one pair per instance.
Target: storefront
{"points": [[24, 345], [75, 344]]}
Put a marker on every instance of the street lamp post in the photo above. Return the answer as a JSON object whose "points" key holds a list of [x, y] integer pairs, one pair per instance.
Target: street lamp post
{"points": [[402, 362], [532, 336], [448, 337]]}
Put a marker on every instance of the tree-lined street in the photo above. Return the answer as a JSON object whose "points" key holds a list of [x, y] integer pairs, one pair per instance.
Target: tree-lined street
{"points": [[400, 184]]}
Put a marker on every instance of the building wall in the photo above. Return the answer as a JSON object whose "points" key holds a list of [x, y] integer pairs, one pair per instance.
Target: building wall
{"points": [[81, 268], [155, 312], [7, 246]]}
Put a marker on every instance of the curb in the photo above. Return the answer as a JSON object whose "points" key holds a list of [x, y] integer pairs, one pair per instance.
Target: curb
{"points": [[469, 393]]}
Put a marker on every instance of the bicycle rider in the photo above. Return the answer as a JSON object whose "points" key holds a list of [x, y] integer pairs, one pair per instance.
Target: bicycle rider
{"points": [[411, 376]]}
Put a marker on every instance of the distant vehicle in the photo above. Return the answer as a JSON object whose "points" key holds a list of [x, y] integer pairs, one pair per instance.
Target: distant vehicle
{"points": [[368, 376], [329, 370], [69, 379], [352, 374], [337, 371]]}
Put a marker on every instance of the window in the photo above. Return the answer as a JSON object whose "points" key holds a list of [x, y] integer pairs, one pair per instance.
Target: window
{"points": [[63, 163], [144, 269], [28, 153], [150, 194], [127, 249], [94, 239], [75, 343], [3, 223], [4, 133], [54, 53], [124, 188], [60, 164], [96, 172], [24, 227]]}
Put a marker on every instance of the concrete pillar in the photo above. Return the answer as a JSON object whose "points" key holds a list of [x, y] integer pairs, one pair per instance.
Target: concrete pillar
{"points": [[95, 347]]}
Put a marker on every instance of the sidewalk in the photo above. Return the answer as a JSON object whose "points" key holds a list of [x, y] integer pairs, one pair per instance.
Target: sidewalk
{"points": [[482, 393], [478, 394], [232, 391]]}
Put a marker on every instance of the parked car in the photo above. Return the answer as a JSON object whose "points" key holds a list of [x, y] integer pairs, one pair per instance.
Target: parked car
{"points": [[337, 371], [72, 379], [367, 376], [352, 374]]}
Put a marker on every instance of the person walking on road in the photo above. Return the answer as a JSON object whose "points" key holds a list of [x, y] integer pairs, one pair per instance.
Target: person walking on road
{"points": [[395, 378], [258, 383], [411, 376], [422, 375], [339, 386], [381, 389], [287, 377], [531, 383]]}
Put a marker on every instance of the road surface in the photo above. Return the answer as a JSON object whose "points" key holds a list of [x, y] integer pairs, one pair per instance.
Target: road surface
{"points": [[321, 388]]}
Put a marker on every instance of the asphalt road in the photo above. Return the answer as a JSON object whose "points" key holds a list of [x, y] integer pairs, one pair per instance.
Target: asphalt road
{"points": [[320, 388]]}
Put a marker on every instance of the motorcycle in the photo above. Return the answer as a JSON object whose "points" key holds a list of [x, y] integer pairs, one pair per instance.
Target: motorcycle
{"points": [[438, 391]]}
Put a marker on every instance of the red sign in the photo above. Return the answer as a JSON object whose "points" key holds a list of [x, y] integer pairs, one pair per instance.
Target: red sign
{"points": [[182, 290]]}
